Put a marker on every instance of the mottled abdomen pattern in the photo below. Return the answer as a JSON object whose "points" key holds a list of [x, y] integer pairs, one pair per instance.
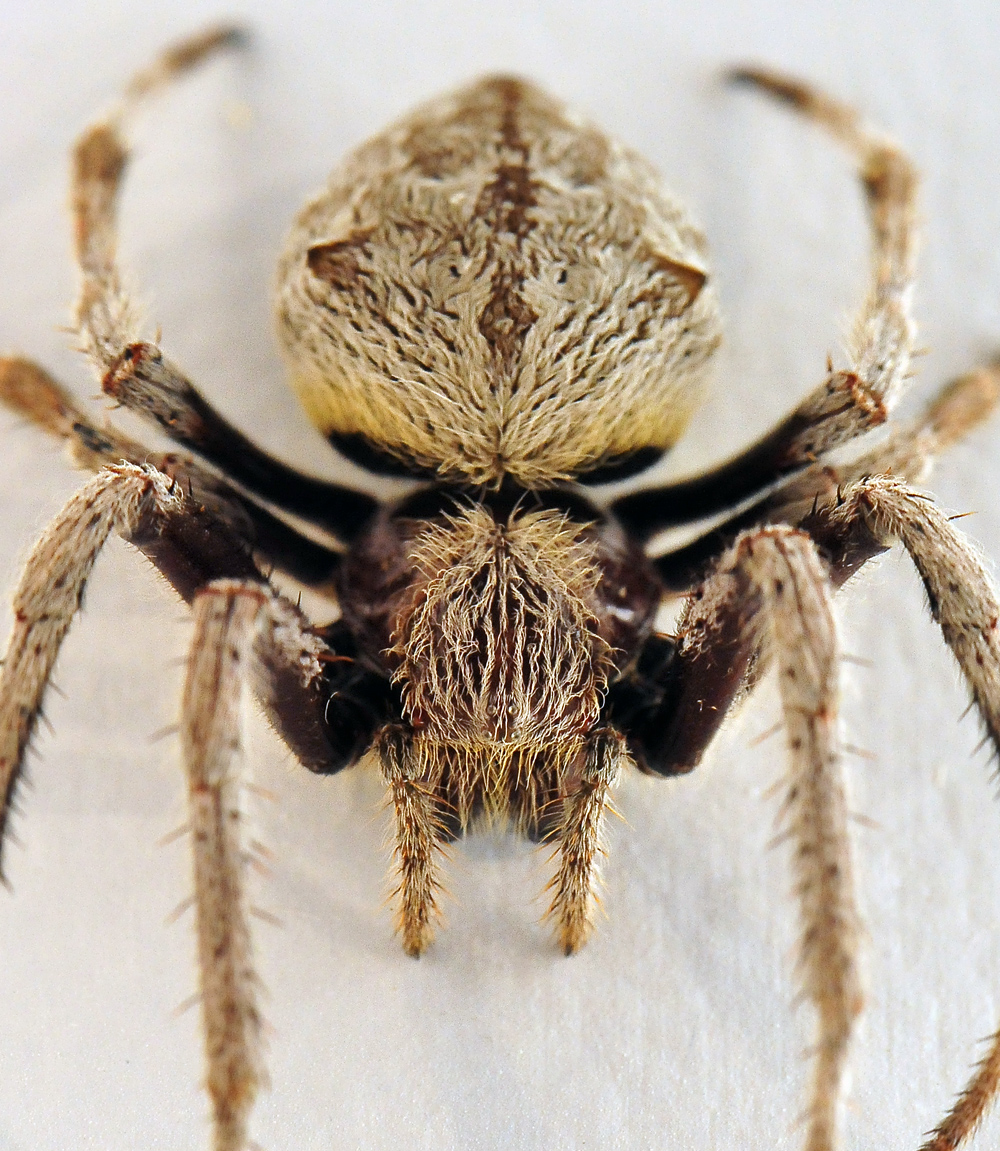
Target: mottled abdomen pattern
{"points": [[493, 287]]}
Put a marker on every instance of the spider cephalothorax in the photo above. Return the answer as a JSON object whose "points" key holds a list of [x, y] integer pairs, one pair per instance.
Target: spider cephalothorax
{"points": [[498, 301]]}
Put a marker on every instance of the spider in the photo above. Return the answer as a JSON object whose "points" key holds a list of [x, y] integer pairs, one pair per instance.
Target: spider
{"points": [[496, 301]]}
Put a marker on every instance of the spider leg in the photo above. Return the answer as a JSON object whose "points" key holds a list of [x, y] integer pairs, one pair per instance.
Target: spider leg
{"points": [[909, 452], [785, 571], [847, 403], [31, 391], [118, 499], [690, 686], [191, 545], [578, 838], [136, 373], [768, 601], [145, 382], [245, 632], [104, 314], [966, 604], [230, 616]]}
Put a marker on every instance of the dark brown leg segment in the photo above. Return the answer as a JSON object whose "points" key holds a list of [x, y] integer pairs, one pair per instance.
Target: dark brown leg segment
{"points": [[143, 381], [135, 372], [908, 452], [29, 390]]}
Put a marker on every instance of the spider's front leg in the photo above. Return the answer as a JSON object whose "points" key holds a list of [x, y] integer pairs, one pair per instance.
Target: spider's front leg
{"points": [[231, 618], [865, 518], [245, 632], [769, 600], [139, 502], [874, 513]]}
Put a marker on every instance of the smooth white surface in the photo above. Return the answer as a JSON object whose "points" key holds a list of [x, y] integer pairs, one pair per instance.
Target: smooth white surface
{"points": [[675, 1027]]}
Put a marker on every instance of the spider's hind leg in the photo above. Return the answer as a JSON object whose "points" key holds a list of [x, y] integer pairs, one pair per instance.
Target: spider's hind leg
{"points": [[104, 313], [883, 331], [136, 373], [30, 391], [909, 452]]}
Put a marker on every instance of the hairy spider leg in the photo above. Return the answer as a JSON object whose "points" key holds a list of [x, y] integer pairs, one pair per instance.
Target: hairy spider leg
{"points": [[847, 403], [909, 451], [136, 373]]}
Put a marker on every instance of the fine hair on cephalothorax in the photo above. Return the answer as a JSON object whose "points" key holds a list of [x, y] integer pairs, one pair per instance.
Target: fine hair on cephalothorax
{"points": [[496, 300]]}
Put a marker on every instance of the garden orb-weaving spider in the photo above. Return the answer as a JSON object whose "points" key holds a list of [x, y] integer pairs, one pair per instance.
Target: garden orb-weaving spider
{"points": [[494, 299]]}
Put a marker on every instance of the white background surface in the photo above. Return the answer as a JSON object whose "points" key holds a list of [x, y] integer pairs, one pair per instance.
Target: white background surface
{"points": [[675, 1027]]}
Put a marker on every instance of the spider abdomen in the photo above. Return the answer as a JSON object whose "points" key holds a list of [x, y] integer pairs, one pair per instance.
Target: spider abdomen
{"points": [[493, 287]]}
